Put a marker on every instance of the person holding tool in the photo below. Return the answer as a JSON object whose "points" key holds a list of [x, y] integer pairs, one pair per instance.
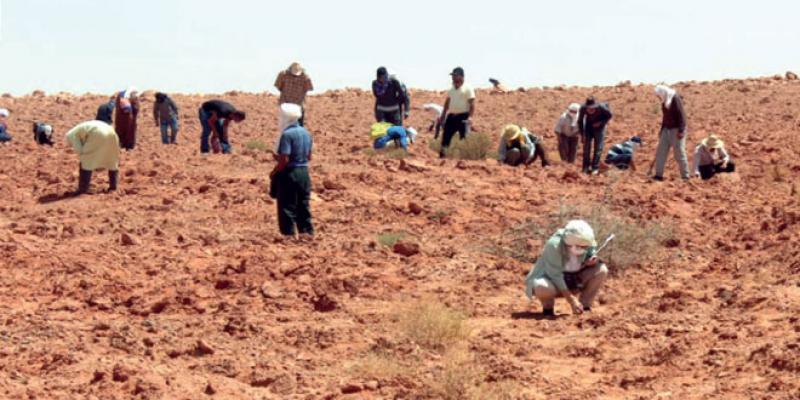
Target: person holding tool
{"points": [[568, 267]]}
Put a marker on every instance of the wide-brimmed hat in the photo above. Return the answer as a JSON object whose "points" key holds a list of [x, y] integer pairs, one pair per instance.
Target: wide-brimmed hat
{"points": [[296, 66], [457, 71], [713, 142], [511, 133], [579, 233]]}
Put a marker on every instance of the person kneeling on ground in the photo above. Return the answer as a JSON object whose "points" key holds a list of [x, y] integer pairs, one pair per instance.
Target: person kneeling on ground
{"points": [[706, 155], [4, 136], [621, 155], [567, 267], [520, 147], [42, 133], [383, 133], [98, 147], [290, 179]]}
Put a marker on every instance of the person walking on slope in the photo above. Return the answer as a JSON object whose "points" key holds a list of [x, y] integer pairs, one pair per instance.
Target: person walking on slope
{"points": [[568, 133], [97, 146], [125, 115], [290, 176], [165, 115], [673, 132], [567, 267], [592, 121], [458, 109], [392, 102], [294, 84]]}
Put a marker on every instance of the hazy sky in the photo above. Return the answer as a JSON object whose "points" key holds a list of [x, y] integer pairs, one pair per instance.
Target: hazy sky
{"points": [[214, 46]]}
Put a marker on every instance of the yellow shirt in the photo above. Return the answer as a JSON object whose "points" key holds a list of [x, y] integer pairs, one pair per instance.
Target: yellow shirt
{"points": [[459, 99], [97, 144]]}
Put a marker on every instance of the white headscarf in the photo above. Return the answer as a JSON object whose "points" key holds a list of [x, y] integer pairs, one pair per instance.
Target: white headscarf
{"points": [[579, 233], [289, 114], [574, 118], [666, 94], [3, 113], [131, 93]]}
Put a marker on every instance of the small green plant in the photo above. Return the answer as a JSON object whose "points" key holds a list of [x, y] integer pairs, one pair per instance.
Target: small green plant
{"points": [[476, 146], [433, 325], [256, 145], [389, 239]]}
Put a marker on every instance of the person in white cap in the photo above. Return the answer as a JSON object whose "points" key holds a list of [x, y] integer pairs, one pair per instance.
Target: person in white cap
{"points": [[126, 112], [710, 158], [568, 133], [98, 147], [294, 84], [290, 183], [567, 267], [673, 132], [4, 135], [42, 133]]}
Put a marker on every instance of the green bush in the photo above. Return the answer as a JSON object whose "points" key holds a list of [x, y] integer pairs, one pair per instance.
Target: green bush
{"points": [[389, 239], [256, 145]]}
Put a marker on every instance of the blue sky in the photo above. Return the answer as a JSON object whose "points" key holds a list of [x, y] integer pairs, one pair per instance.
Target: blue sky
{"points": [[213, 46]]}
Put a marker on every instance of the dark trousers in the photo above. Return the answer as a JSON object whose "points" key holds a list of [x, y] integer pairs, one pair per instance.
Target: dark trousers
{"points": [[294, 196], [85, 180], [302, 120], [568, 148], [392, 117], [540, 153], [708, 171], [593, 143], [452, 124]]}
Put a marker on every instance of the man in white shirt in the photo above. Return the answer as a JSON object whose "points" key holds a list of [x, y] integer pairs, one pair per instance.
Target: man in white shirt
{"points": [[458, 109]]}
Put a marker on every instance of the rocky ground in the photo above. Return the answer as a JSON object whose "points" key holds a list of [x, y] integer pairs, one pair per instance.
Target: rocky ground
{"points": [[178, 286]]}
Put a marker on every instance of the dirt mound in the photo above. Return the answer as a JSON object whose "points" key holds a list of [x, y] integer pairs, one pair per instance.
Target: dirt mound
{"points": [[179, 285]]}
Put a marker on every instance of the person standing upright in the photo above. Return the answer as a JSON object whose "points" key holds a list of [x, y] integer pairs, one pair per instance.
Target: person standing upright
{"points": [[458, 109], [392, 102], [294, 84], [673, 132], [592, 121], [165, 114], [290, 175]]}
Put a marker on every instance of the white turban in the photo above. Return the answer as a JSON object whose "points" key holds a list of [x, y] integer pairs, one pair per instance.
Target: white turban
{"points": [[3, 113], [666, 94], [574, 117], [289, 114], [131, 92], [579, 233]]}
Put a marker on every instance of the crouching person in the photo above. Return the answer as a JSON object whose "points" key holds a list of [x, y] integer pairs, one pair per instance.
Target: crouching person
{"points": [[383, 134], [43, 133], [568, 268], [290, 176], [98, 148], [520, 147], [710, 158]]}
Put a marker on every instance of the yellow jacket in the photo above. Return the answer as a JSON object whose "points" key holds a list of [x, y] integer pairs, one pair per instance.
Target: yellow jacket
{"points": [[97, 144]]}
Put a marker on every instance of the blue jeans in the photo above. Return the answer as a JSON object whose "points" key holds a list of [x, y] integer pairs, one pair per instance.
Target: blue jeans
{"points": [[171, 124], [383, 141], [591, 159], [206, 135]]}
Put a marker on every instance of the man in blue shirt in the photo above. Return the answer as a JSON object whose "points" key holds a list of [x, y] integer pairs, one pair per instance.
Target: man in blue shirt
{"points": [[290, 176]]}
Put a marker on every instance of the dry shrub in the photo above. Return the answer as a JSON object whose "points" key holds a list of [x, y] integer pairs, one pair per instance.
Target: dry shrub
{"points": [[378, 365], [391, 152], [635, 240], [462, 378], [476, 146], [389, 239], [256, 145], [433, 325]]}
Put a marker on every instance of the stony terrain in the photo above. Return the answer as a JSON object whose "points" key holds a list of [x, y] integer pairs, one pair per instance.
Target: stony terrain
{"points": [[178, 286]]}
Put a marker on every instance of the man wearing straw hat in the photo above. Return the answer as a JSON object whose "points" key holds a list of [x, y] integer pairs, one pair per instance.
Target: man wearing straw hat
{"points": [[294, 84], [673, 132], [567, 267], [710, 158]]}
